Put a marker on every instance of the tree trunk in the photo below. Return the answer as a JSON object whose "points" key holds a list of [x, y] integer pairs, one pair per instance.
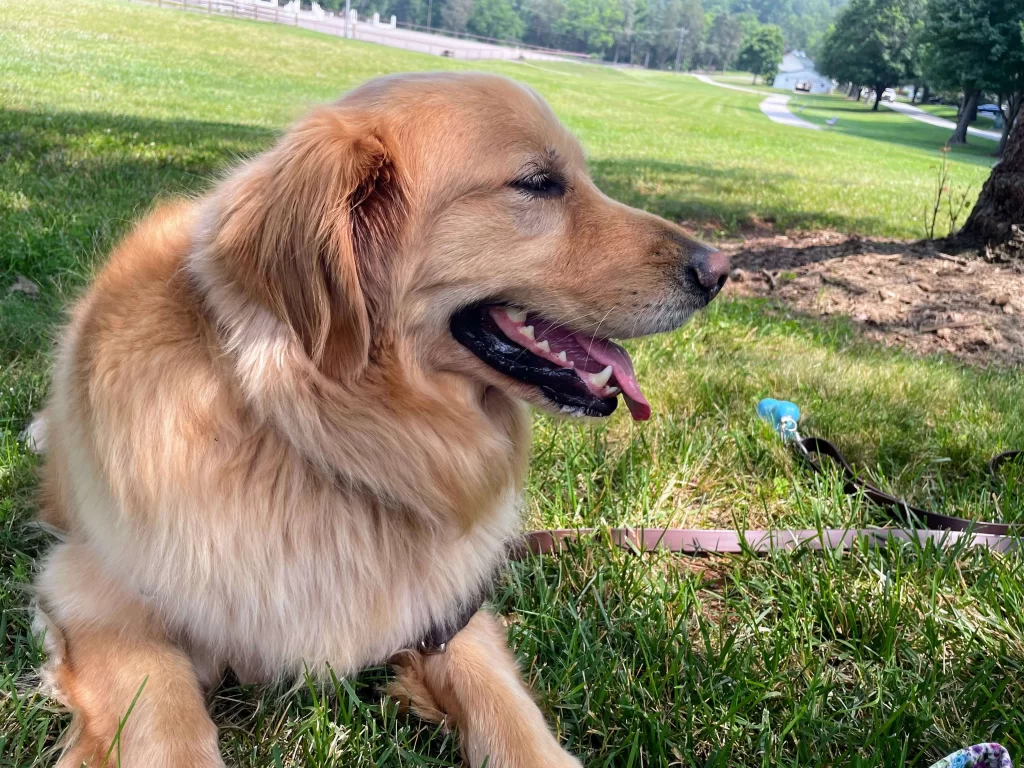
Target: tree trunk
{"points": [[1009, 118], [998, 216], [854, 91], [879, 90], [926, 94], [970, 105], [913, 93]]}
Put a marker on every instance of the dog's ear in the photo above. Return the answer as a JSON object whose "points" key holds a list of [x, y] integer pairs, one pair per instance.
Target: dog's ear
{"points": [[308, 230]]}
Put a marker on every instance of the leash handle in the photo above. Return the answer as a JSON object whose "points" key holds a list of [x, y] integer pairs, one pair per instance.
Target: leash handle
{"points": [[1003, 458]]}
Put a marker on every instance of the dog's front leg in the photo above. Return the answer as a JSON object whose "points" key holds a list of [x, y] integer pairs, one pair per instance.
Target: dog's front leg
{"points": [[136, 698], [475, 685]]}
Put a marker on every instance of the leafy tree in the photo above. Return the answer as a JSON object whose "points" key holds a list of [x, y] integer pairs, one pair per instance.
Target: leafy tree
{"points": [[412, 11], [689, 17], [748, 23], [762, 53], [803, 22], [805, 28], [840, 58], [589, 25], [723, 42], [977, 46], [455, 14], [643, 32], [637, 38], [495, 18], [541, 18], [657, 31], [767, 11], [874, 42]]}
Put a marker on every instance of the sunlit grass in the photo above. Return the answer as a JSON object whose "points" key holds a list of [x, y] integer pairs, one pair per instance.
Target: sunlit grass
{"points": [[718, 159]]}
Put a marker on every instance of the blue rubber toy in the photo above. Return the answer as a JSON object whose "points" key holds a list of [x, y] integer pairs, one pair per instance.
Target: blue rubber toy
{"points": [[783, 415]]}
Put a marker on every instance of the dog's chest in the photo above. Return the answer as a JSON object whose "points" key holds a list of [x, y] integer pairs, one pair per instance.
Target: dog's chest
{"points": [[395, 595], [348, 592], [456, 578]]}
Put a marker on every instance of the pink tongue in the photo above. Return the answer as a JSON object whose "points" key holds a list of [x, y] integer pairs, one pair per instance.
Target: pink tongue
{"points": [[609, 353], [585, 354]]}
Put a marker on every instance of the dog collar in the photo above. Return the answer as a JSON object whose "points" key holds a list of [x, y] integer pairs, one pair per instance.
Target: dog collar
{"points": [[441, 633]]}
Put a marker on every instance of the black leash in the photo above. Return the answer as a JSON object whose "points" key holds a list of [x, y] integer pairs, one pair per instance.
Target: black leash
{"points": [[810, 448]]}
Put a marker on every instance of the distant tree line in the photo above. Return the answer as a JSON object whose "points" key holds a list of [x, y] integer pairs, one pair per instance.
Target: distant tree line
{"points": [[966, 50], [660, 34]]}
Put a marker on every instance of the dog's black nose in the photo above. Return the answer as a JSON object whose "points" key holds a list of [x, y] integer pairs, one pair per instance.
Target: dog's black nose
{"points": [[708, 270]]}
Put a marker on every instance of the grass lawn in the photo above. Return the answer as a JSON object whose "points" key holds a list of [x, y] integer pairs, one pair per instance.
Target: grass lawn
{"points": [[873, 658], [746, 79], [739, 78]]}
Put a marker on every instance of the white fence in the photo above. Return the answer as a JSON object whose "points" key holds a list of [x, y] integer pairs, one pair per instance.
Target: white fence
{"points": [[373, 31]]}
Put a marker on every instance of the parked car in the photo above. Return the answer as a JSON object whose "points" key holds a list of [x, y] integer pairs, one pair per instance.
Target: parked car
{"points": [[990, 110]]}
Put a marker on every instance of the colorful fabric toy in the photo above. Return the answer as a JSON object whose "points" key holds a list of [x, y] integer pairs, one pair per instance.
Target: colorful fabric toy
{"points": [[978, 756]]}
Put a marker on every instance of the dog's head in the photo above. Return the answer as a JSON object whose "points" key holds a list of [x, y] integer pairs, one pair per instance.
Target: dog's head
{"points": [[447, 222]]}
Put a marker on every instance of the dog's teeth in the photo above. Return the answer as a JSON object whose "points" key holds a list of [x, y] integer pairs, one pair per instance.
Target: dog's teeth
{"points": [[611, 391], [561, 356], [527, 331], [543, 345], [600, 379], [516, 315]]}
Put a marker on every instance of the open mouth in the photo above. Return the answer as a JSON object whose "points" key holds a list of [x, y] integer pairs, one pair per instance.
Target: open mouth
{"points": [[580, 373]]}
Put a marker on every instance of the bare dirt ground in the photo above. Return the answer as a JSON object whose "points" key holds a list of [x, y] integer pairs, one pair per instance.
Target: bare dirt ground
{"points": [[902, 294]]}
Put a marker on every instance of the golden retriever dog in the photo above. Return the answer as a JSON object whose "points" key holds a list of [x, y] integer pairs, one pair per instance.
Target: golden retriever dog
{"points": [[288, 425]]}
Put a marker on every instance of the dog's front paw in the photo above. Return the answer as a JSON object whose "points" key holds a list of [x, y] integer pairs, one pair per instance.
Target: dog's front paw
{"points": [[555, 759], [565, 760], [34, 435]]}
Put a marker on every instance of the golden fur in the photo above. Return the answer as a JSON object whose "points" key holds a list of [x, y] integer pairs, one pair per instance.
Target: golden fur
{"points": [[267, 452]]}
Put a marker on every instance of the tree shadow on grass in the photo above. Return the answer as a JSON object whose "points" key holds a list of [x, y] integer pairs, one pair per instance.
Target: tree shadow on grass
{"points": [[792, 257], [723, 199], [79, 178], [918, 135], [71, 185], [891, 127]]}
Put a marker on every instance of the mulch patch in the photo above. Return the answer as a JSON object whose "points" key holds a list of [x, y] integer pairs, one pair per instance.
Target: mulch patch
{"points": [[902, 294]]}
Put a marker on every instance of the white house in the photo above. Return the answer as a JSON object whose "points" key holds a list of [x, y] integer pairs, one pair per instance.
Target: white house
{"points": [[797, 73]]}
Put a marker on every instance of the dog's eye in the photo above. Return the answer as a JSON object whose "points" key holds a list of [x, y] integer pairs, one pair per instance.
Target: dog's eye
{"points": [[540, 185]]}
